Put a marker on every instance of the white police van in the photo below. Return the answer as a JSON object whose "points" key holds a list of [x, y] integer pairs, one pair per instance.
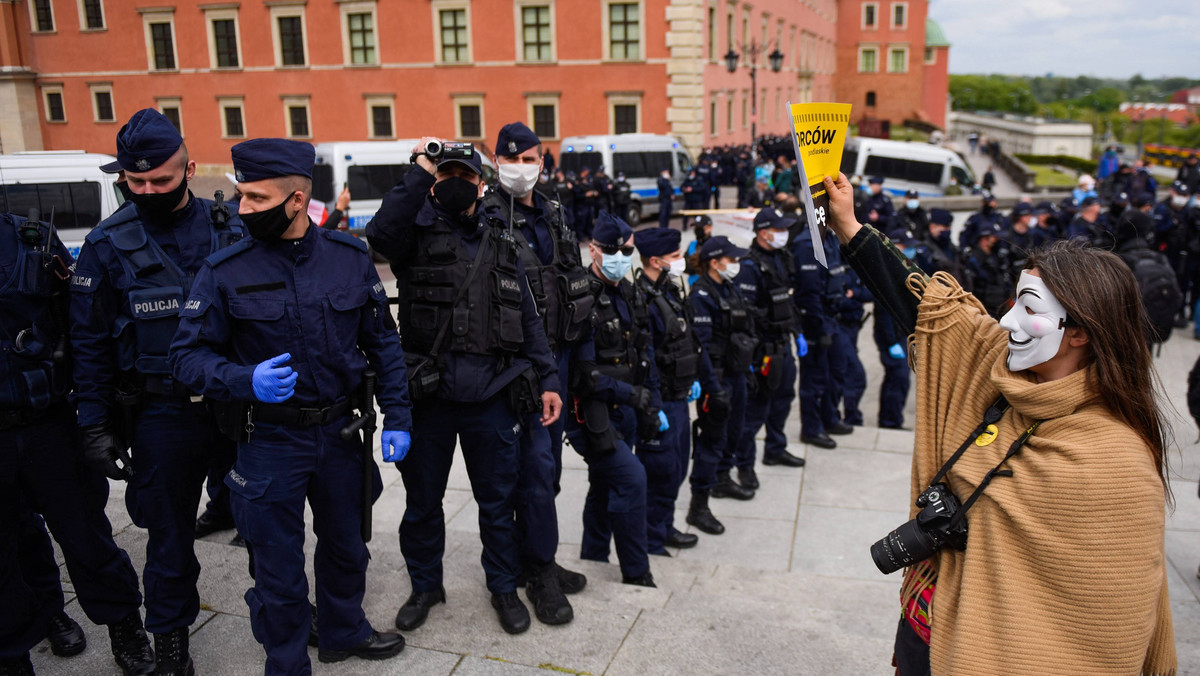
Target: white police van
{"points": [[641, 157], [906, 166], [64, 185]]}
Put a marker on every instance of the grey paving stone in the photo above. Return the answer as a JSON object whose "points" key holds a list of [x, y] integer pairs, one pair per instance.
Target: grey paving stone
{"points": [[762, 543], [491, 666], [854, 478], [777, 498], [894, 441], [1186, 515], [836, 541]]}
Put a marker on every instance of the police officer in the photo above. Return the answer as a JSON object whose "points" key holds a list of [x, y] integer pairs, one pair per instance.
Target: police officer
{"points": [[943, 255], [583, 196], [559, 283], [615, 401], [988, 270], [911, 216], [563, 186], [695, 191], [843, 297], [893, 353], [41, 471], [877, 207], [281, 326], [723, 323], [818, 411], [983, 220], [767, 280], [682, 366], [1087, 227], [622, 196], [1177, 229], [479, 363], [666, 194], [604, 191], [1020, 236], [134, 273]]}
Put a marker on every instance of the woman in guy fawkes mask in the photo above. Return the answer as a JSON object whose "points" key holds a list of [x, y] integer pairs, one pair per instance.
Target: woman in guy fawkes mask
{"points": [[1062, 486]]}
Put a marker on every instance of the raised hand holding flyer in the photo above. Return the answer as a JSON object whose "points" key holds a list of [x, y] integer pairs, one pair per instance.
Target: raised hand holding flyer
{"points": [[819, 136]]}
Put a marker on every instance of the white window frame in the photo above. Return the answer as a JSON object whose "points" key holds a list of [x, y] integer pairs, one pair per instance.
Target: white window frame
{"points": [[623, 99], [223, 14], [238, 102], [360, 7], [863, 17], [606, 23], [83, 27], [892, 17], [469, 100], [372, 101], [545, 100], [283, 11], [893, 50], [33, 25], [160, 15], [519, 29], [290, 102], [171, 102], [47, 90], [438, 6], [102, 88], [862, 48], [930, 56]]}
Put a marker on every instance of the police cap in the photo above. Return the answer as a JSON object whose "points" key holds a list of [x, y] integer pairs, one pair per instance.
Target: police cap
{"points": [[1181, 188], [911, 194], [875, 180], [472, 160], [261, 158], [901, 236], [1044, 208], [113, 167], [657, 241], [993, 230], [941, 217], [987, 196], [146, 141], [770, 217], [610, 231], [720, 246], [515, 138], [1022, 209], [1121, 198], [1088, 201]]}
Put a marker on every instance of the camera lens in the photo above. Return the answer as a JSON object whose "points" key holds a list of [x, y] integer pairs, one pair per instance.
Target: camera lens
{"points": [[433, 149], [902, 547]]}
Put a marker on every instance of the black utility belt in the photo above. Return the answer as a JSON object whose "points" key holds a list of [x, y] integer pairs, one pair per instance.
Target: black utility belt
{"points": [[167, 387], [301, 416]]}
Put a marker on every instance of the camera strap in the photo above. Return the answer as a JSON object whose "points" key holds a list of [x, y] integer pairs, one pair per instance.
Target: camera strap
{"points": [[990, 417]]}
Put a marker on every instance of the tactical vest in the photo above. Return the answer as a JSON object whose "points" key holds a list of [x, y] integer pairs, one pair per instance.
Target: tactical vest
{"points": [[34, 371], [733, 341], [486, 319], [678, 354], [780, 312], [620, 350], [157, 287], [560, 289]]}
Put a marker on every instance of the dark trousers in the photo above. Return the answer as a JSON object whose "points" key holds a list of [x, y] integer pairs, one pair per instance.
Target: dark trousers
{"points": [[664, 213], [661, 458], [218, 492], [894, 390], [41, 472], [816, 404], [276, 471], [615, 508], [174, 442], [911, 654], [490, 435], [716, 452], [769, 407], [537, 518], [849, 379]]}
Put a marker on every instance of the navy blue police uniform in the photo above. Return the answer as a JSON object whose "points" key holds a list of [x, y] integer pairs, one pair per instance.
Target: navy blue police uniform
{"points": [[767, 280], [41, 469], [666, 193], [682, 364], [984, 220], [880, 203], [584, 204], [134, 273], [944, 256], [695, 191], [723, 322], [844, 297], [817, 409], [559, 283], [318, 299], [479, 352], [613, 371]]}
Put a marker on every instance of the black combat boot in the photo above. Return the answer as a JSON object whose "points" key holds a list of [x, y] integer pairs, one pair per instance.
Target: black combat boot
{"points": [[646, 579], [700, 516], [513, 616], [726, 487], [545, 593], [569, 581], [131, 647], [173, 657], [65, 636]]}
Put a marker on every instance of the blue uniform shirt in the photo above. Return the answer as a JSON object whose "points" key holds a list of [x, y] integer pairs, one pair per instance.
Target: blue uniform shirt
{"points": [[317, 298]]}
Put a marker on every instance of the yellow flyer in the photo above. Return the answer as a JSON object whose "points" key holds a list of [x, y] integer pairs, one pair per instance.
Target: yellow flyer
{"points": [[819, 136]]}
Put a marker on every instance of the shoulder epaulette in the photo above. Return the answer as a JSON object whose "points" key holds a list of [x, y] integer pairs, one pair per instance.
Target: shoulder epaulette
{"points": [[346, 238], [230, 251], [121, 216]]}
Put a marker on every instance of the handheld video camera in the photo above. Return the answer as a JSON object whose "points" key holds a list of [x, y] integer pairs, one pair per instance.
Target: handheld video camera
{"points": [[437, 151]]}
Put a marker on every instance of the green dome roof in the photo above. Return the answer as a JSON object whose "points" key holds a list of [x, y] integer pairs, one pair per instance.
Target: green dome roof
{"points": [[934, 37]]}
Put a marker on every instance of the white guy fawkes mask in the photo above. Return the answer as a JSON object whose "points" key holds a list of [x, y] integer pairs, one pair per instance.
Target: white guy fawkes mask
{"points": [[1036, 324]]}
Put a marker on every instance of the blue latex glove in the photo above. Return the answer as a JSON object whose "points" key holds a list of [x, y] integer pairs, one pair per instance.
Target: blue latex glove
{"points": [[695, 392], [801, 346], [663, 425], [272, 382], [395, 445], [896, 351]]}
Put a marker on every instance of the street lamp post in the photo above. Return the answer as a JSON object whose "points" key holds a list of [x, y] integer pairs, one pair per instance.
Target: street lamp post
{"points": [[752, 52]]}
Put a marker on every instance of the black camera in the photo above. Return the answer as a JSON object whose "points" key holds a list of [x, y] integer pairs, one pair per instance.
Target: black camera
{"points": [[918, 539], [450, 150]]}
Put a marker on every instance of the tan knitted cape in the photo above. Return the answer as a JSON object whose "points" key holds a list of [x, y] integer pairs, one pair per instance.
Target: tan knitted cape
{"points": [[1064, 571]]}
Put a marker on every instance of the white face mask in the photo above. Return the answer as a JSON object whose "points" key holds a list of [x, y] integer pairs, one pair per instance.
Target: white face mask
{"points": [[730, 271], [519, 179], [676, 268], [1036, 324], [1180, 201], [779, 239]]}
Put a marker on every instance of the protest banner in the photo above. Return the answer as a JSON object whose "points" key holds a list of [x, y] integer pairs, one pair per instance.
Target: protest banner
{"points": [[819, 136]]}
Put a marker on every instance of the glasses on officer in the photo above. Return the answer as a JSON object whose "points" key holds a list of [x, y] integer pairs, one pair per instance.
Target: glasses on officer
{"points": [[612, 250]]}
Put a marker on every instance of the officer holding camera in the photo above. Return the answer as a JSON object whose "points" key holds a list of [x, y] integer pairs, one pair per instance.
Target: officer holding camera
{"points": [[480, 367], [280, 328]]}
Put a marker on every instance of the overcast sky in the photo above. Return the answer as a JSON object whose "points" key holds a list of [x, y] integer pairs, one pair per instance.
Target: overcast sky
{"points": [[1104, 38]]}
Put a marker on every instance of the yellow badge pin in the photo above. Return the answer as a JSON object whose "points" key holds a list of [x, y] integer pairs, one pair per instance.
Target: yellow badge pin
{"points": [[988, 436]]}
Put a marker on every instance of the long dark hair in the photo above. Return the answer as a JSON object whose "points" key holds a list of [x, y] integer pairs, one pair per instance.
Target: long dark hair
{"points": [[1101, 295]]}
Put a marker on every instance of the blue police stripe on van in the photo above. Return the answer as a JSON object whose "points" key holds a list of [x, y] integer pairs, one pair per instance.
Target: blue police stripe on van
{"points": [[360, 222], [652, 192]]}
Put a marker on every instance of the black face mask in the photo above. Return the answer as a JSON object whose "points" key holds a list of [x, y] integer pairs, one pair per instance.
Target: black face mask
{"points": [[126, 192], [987, 208], [455, 194], [268, 225], [943, 238], [158, 206]]}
